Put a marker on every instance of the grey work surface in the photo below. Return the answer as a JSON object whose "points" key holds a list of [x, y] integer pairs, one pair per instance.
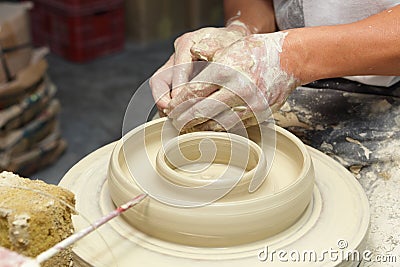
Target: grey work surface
{"points": [[362, 132]]}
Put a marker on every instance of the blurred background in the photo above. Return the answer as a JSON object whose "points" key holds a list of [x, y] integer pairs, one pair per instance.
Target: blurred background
{"points": [[61, 103]]}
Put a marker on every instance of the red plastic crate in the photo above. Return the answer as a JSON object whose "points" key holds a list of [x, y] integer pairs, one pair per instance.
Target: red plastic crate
{"points": [[88, 51], [40, 25], [81, 7], [79, 37]]}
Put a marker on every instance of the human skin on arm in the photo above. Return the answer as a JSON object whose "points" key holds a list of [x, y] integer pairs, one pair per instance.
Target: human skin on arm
{"points": [[367, 47], [258, 15]]}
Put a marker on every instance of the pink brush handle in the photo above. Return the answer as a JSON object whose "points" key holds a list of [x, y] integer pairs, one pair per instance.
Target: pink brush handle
{"points": [[82, 233]]}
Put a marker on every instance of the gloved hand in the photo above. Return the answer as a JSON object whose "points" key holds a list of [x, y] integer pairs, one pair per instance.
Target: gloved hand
{"points": [[198, 45], [246, 83]]}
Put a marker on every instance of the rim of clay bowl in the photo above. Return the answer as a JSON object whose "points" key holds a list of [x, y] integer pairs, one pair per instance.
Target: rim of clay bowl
{"points": [[255, 167], [284, 206], [307, 170], [116, 170]]}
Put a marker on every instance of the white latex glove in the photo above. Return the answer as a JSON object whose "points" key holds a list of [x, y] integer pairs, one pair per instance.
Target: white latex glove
{"points": [[198, 45], [247, 85]]}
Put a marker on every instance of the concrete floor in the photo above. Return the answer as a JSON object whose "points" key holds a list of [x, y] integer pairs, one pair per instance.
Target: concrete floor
{"points": [[94, 97]]}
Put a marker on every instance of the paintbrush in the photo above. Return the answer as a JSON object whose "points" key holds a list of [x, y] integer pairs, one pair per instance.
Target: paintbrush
{"points": [[10, 258]]}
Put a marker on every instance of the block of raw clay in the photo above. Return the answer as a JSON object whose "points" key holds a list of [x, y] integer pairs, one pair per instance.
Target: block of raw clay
{"points": [[34, 216]]}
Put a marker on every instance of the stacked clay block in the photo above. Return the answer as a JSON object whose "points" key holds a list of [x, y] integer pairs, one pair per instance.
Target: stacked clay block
{"points": [[29, 132], [35, 216]]}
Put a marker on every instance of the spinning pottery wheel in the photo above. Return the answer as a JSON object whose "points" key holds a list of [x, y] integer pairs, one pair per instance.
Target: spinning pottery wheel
{"points": [[295, 199]]}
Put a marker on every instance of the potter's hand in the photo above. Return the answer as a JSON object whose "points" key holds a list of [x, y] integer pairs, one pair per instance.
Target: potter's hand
{"points": [[247, 84], [198, 45]]}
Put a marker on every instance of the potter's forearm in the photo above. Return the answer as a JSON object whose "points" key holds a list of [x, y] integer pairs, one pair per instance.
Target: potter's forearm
{"points": [[258, 15], [368, 47]]}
